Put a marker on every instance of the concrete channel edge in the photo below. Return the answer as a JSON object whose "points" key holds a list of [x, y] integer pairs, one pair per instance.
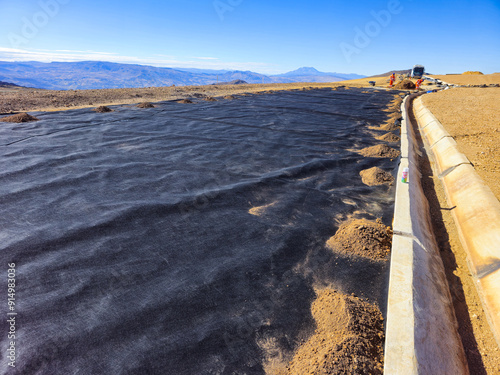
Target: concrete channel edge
{"points": [[421, 328], [476, 212]]}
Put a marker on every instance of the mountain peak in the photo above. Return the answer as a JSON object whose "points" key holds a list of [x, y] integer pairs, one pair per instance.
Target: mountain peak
{"points": [[304, 71]]}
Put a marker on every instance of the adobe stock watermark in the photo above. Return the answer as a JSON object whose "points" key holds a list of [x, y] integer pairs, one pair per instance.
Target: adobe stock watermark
{"points": [[223, 6], [363, 37], [31, 26]]}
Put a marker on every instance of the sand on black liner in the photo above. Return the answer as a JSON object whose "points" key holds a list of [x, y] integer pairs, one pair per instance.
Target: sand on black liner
{"points": [[390, 126], [379, 151], [376, 176], [184, 101], [392, 123], [363, 238], [18, 118], [260, 210], [395, 104], [348, 338], [102, 109], [389, 137], [145, 105]]}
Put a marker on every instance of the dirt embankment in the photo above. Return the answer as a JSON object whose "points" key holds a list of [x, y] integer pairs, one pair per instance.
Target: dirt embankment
{"points": [[470, 79], [481, 350], [472, 117]]}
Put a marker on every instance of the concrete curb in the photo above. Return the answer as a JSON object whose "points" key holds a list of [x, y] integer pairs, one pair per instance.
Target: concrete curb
{"points": [[476, 213], [421, 328]]}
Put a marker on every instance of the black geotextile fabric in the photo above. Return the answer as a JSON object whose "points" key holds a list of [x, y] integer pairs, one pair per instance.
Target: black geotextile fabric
{"points": [[186, 238]]}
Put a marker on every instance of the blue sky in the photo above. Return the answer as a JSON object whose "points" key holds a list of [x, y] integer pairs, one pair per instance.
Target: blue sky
{"points": [[364, 37]]}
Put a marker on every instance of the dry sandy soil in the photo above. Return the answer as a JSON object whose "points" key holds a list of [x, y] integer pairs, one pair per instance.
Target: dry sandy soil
{"points": [[470, 79], [348, 338], [363, 238], [472, 117]]}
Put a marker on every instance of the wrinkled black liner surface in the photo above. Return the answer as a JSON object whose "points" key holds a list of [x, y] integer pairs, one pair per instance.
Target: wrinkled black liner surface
{"points": [[134, 246]]}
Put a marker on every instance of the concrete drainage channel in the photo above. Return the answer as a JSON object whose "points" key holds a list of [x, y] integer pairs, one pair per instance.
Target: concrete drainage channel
{"points": [[421, 328], [476, 212]]}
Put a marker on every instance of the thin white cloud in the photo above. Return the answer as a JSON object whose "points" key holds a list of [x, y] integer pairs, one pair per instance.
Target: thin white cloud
{"points": [[206, 58], [74, 51], [16, 54]]}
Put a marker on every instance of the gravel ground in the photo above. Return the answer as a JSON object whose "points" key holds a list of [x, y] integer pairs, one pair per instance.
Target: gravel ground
{"points": [[16, 100]]}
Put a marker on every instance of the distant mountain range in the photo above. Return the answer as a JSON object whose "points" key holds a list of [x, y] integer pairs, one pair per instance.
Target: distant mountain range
{"points": [[106, 75]]}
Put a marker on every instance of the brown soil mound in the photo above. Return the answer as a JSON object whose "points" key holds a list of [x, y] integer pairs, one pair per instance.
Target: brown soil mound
{"points": [[210, 99], [361, 237], [395, 104], [145, 105], [348, 338], [405, 85], [390, 126], [102, 109], [229, 97], [376, 176], [18, 118], [184, 101], [473, 72], [380, 151], [395, 116], [389, 137]]}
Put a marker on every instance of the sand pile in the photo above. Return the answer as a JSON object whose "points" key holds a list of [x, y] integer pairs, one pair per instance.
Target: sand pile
{"points": [[210, 99], [392, 123], [260, 210], [364, 238], [145, 105], [229, 97], [389, 137], [405, 85], [395, 104], [18, 118], [348, 338], [390, 126], [102, 109], [184, 101], [473, 72], [379, 151], [376, 176]]}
